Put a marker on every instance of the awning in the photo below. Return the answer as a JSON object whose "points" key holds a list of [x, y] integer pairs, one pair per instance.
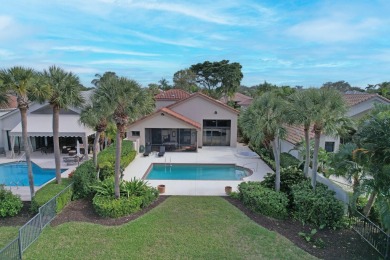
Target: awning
{"points": [[42, 125]]}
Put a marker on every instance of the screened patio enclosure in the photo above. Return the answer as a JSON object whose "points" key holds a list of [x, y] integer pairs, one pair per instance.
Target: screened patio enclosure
{"points": [[174, 139]]}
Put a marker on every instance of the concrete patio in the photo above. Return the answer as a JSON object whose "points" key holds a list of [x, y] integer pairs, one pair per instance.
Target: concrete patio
{"points": [[208, 155]]}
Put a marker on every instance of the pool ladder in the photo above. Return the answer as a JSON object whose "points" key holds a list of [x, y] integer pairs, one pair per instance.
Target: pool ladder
{"points": [[170, 164], [252, 169], [20, 159]]}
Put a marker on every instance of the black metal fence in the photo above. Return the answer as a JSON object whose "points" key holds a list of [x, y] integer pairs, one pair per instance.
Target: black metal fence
{"points": [[32, 229], [371, 233]]}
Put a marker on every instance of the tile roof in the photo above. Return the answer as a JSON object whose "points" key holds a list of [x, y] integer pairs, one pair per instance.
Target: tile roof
{"points": [[172, 94], [354, 99], [12, 103], [240, 98], [296, 134], [200, 94], [171, 113]]}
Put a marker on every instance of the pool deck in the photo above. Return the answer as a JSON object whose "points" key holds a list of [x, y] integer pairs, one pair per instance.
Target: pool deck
{"points": [[207, 155], [42, 160]]}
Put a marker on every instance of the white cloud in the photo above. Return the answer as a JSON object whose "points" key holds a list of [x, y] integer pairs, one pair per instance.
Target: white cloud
{"points": [[134, 63], [101, 50], [184, 42], [334, 29]]}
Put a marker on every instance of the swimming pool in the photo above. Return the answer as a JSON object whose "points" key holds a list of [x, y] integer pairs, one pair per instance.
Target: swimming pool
{"points": [[15, 174], [159, 171]]}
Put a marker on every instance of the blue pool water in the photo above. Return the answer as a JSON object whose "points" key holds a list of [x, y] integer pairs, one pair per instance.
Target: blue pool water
{"points": [[196, 172], [15, 174]]}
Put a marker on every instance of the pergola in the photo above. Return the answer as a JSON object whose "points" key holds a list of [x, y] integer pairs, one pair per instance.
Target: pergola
{"points": [[42, 125]]}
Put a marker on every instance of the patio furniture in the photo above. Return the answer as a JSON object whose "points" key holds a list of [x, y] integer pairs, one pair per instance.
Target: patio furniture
{"points": [[162, 151], [148, 150], [72, 152], [2, 151]]}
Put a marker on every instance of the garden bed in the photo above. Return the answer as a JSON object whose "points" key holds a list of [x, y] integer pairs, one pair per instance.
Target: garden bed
{"points": [[20, 219], [339, 244]]}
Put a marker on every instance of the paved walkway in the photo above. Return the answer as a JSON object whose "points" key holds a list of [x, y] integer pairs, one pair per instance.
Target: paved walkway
{"points": [[211, 155]]}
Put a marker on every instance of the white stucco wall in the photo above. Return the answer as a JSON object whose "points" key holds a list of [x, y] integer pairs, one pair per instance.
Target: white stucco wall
{"points": [[8, 122], [286, 148], [156, 121], [363, 108], [199, 108], [163, 103]]}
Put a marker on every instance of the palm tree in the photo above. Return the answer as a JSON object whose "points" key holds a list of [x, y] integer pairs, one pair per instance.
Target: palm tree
{"points": [[23, 84], [263, 122], [328, 116], [128, 101], [300, 113], [95, 116], [65, 92]]}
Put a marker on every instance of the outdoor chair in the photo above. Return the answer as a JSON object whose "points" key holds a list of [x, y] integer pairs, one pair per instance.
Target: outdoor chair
{"points": [[162, 151], [148, 150], [2, 151]]}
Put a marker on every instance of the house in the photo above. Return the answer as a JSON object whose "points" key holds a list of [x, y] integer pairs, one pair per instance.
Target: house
{"points": [[240, 100], [359, 104], [188, 122], [39, 127]]}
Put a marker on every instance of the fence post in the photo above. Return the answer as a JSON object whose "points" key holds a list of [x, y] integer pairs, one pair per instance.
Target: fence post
{"points": [[40, 218], [387, 248], [20, 245]]}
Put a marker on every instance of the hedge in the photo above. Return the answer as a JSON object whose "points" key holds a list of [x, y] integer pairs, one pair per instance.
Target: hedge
{"points": [[318, 207], [106, 158], [49, 191], [84, 177], [10, 204], [115, 208], [287, 160], [263, 200]]}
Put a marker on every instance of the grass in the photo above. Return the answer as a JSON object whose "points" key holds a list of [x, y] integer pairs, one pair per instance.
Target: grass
{"points": [[7, 234], [179, 228]]}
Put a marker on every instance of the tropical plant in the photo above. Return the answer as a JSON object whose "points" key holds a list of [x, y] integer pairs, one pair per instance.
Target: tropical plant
{"points": [[65, 91], [128, 101], [23, 84], [263, 121]]}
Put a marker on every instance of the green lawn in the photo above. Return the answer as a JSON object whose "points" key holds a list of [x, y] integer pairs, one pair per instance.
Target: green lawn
{"points": [[180, 228], [7, 234]]}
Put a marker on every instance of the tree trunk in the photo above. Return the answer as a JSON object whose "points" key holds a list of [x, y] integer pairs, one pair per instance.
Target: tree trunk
{"points": [[370, 203], [23, 114], [317, 136], [118, 160], [56, 143], [96, 144], [307, 152], [276, 151]]}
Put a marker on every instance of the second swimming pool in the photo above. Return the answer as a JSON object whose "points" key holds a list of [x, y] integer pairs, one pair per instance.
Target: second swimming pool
{"points": [[159, 171]]}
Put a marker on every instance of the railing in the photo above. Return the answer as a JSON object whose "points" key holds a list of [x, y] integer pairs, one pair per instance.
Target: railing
{"points": [[371, 233], [32, 229]]}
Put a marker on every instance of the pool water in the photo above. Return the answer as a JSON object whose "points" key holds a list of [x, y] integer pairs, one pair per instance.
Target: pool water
{"points": [[196, 172], [15, 174]]}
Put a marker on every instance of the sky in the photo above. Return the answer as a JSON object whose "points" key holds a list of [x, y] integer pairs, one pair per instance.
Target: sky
{"points": [[303, 42]]}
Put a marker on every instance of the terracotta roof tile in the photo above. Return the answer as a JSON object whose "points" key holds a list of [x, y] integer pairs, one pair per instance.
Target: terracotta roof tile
{"points": [[172, 94], [240, 98], [354, 99], [295, 134], [12, 103]]}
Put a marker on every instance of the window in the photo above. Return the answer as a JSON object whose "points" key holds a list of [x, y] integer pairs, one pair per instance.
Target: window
{"points": [[135, 133], [329, 147]]}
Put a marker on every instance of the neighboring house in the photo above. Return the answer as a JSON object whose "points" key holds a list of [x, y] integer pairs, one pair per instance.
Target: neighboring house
{"points": [[40, 129], [240, 100], [186, 124], [166, 98], [359, 104]]}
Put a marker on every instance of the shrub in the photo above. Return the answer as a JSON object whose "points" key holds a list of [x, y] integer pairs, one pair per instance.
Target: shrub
{"points": [[106, 158], [135, 194], [114, 208], [287, 160], [263, 200], [49, 191], [320, 208], [288, 176], [84, 178], [10, 204]]}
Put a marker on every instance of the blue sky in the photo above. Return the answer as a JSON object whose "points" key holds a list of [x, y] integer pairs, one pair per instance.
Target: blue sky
{"points": [[283, 42]]}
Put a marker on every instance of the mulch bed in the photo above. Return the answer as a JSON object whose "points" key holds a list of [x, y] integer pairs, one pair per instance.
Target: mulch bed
{"points": [[82, 211], [339, 244], [19, 220]]}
